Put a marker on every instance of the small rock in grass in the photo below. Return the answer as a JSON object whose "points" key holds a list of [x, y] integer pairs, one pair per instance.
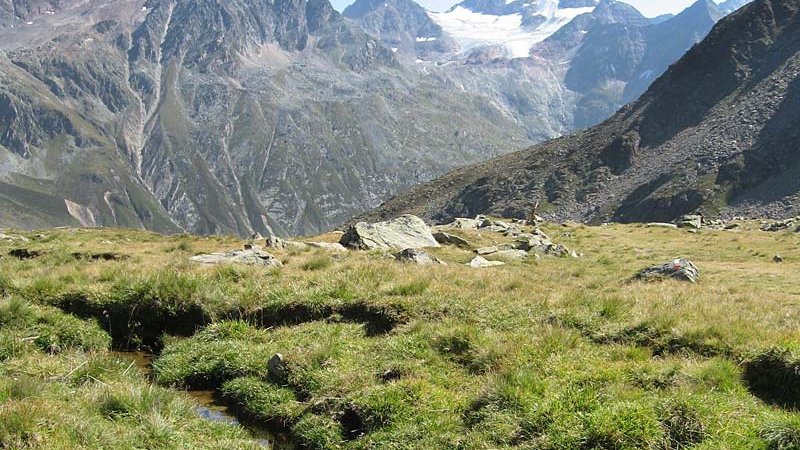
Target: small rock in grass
{"points": [[275, 242], [778, 259], [391, 375], [679, 269], [417, 257], [487, 250], [276, 368], [464, 224], [479, 262], [449, 239], [511, 255]]}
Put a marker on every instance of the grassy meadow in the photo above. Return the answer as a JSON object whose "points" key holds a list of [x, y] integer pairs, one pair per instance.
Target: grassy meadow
{"points": [[558, 353]]}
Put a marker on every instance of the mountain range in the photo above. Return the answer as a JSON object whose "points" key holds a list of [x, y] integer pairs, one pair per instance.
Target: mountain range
{"points": [[716, 134], [286, 117]]}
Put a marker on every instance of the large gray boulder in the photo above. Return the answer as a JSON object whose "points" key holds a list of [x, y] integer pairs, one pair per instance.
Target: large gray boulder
{"points": [[679, 269], [250, 256], [401, 233]]}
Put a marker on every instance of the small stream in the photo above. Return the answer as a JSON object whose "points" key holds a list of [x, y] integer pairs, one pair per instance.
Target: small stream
{"points": [[211, 407]]}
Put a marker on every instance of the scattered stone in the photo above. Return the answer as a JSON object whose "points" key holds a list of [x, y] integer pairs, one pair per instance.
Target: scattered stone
{"points": [[497, 226], [252, 257], [276, 368], [401, 233], [24, 253], [449, 239], [487, 250], [693, 221], [464, 224], [391, 375], [679, 269], [417, 256], [782, 225], [276, 242], [513, 231], [13, 237], [558, 250], [778, 259], [536, 241], [661, 225], [480, 262], [511, 255], [330, 246], [731, 226]]}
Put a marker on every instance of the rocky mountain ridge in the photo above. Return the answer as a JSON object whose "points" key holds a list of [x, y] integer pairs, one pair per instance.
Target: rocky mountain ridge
{"points": [[220, 117], [716, 134], [279, 117]]}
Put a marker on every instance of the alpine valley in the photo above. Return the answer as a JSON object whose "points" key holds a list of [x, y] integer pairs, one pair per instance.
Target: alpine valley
{"points": [[286, 117], [716, 134]]}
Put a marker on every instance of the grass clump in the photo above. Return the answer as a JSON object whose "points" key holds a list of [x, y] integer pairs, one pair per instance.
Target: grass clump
{"points": [[24, 326], [782, 434], [417, 287], [318, 432], [683, 425], [318, 262], [262, 401]]}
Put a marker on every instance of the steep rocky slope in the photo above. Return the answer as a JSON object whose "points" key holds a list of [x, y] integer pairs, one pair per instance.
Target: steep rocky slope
{"points": [[717, 133], [220, 117]]}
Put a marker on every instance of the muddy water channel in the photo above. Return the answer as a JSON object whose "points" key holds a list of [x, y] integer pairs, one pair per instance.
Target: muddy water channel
{"points": [[211, 407]]}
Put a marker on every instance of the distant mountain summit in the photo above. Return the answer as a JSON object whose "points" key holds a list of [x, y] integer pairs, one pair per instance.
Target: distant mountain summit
{"points": [[403, 26], [717, 133]]}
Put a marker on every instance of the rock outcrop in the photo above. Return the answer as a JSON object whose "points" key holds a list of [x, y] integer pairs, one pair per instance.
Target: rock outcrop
{"points": [[250, 257], [401, 233]]}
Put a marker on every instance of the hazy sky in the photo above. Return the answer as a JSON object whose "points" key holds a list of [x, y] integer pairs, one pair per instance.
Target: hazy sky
{"points": [[650, 8]]}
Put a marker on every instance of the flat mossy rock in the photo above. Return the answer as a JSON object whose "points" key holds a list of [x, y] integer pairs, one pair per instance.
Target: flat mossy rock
{"points": [[401, 233]]}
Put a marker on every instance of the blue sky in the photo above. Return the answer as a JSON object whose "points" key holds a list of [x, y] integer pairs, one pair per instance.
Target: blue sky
{"points": [[650, 8]]}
